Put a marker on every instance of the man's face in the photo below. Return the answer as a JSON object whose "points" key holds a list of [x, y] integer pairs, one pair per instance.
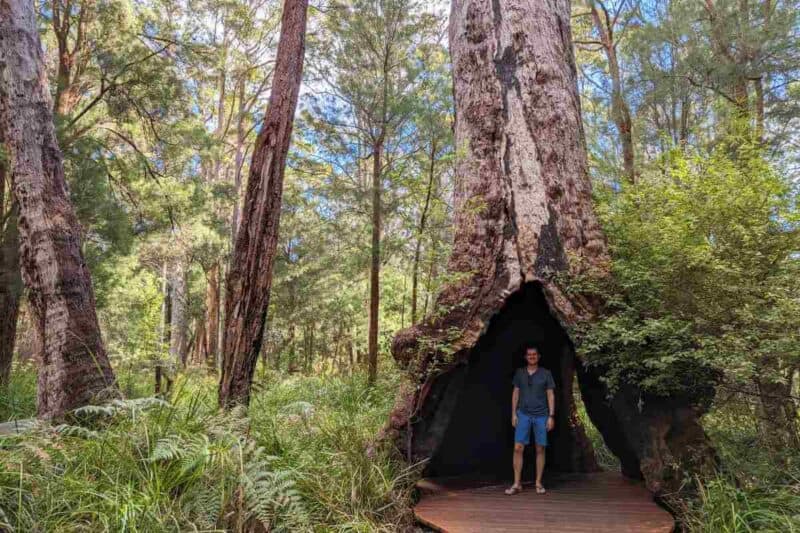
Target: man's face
{"points": [[532, 356]]}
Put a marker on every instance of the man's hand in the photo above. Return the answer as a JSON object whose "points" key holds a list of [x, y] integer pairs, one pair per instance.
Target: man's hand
{"points": [[551, 423], [514, 420]]}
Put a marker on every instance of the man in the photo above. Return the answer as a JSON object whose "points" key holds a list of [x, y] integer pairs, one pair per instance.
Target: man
{"points": [[533, 407]]}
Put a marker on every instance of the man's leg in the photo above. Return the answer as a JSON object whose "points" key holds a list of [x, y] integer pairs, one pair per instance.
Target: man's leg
{"points": [[539, 464], [540, 439], [522, 435], [519, 449]]}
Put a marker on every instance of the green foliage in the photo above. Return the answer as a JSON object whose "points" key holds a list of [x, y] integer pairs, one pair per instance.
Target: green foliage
{"points": [[18, 397], [304, 459], [704, 273], [756, 491]]}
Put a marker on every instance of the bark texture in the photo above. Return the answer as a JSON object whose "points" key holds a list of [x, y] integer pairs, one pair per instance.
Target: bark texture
{"points": [[250, 277], [74, 368], [523, 215]]}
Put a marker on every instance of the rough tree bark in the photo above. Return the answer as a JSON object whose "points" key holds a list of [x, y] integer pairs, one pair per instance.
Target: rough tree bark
{"points": [[74, 368], [523, 215], [250, 277]]}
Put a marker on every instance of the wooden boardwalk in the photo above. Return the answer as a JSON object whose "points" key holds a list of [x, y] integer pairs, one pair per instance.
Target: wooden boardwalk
{"points": [[596, 503]]}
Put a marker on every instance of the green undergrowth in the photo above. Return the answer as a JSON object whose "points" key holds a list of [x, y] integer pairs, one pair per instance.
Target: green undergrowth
{"points": [[758, 489], [18, 397], [304, 460]]}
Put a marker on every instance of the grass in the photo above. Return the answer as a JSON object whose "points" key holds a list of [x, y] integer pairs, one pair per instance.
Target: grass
{"points": [[304, 460], [759, 489]]}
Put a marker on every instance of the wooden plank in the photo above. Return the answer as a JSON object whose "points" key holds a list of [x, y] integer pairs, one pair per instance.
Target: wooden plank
{"points": [[586, 503]]}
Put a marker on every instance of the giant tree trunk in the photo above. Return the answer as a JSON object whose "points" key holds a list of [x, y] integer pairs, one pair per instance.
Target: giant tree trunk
{"points": [[524, 220], [250, 277], [74, 367]]}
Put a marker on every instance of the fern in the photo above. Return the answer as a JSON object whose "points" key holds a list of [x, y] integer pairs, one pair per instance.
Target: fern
{"points": [[76, 431], [271, 496]]}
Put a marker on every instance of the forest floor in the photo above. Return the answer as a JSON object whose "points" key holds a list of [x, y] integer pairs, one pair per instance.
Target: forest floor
{"points": [[304, 460]]}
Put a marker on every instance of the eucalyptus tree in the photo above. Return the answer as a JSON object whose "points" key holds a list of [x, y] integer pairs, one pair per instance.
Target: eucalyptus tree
{"points": [[249, 280], [368, 66], [74, 369]]}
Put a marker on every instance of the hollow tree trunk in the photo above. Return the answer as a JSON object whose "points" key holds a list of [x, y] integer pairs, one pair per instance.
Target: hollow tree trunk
{"points": [[523, 215], [250, 277], [74, 367]]}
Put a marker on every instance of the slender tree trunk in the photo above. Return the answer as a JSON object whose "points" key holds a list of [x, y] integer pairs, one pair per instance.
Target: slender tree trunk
{"points": [[10, 286], [199, 343], [164, 329], [620, 111], [375, 263], [179, 319], [10, 277], [239, 162], [74, 367], [250, 277], [212, 316], [759, 90], [423, 218]]}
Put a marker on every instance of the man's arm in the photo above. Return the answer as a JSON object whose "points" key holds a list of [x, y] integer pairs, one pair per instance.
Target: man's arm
{"points": [[514, 400], [551, 406]]}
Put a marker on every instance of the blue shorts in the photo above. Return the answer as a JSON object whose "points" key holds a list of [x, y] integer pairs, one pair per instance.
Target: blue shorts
{"points": [[522, 433]]}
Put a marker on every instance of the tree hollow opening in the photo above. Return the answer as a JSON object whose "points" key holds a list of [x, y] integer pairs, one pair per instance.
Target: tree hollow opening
{"points": [[476, 399]]}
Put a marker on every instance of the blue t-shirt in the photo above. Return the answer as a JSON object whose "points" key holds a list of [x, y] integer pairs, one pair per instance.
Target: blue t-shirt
{"points": [[532, 390]]}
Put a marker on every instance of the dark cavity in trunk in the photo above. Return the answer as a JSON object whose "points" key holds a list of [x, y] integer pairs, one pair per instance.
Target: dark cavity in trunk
{"points": [[474, 400]]}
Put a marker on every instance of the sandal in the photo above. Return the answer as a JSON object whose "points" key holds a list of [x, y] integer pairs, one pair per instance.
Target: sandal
{"points": [[540, 489], [513, 490]]}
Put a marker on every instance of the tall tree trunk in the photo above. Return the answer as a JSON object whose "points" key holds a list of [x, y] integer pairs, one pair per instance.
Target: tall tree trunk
{"points": [[239, 161], [523, 214], [212, 316], [423, 218], [250, 277], [375, 263], [164, 329], [778, 410], [10, 278], [74, 367], [620, 111], [10, 286], [72, 60], [179, 319]]}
